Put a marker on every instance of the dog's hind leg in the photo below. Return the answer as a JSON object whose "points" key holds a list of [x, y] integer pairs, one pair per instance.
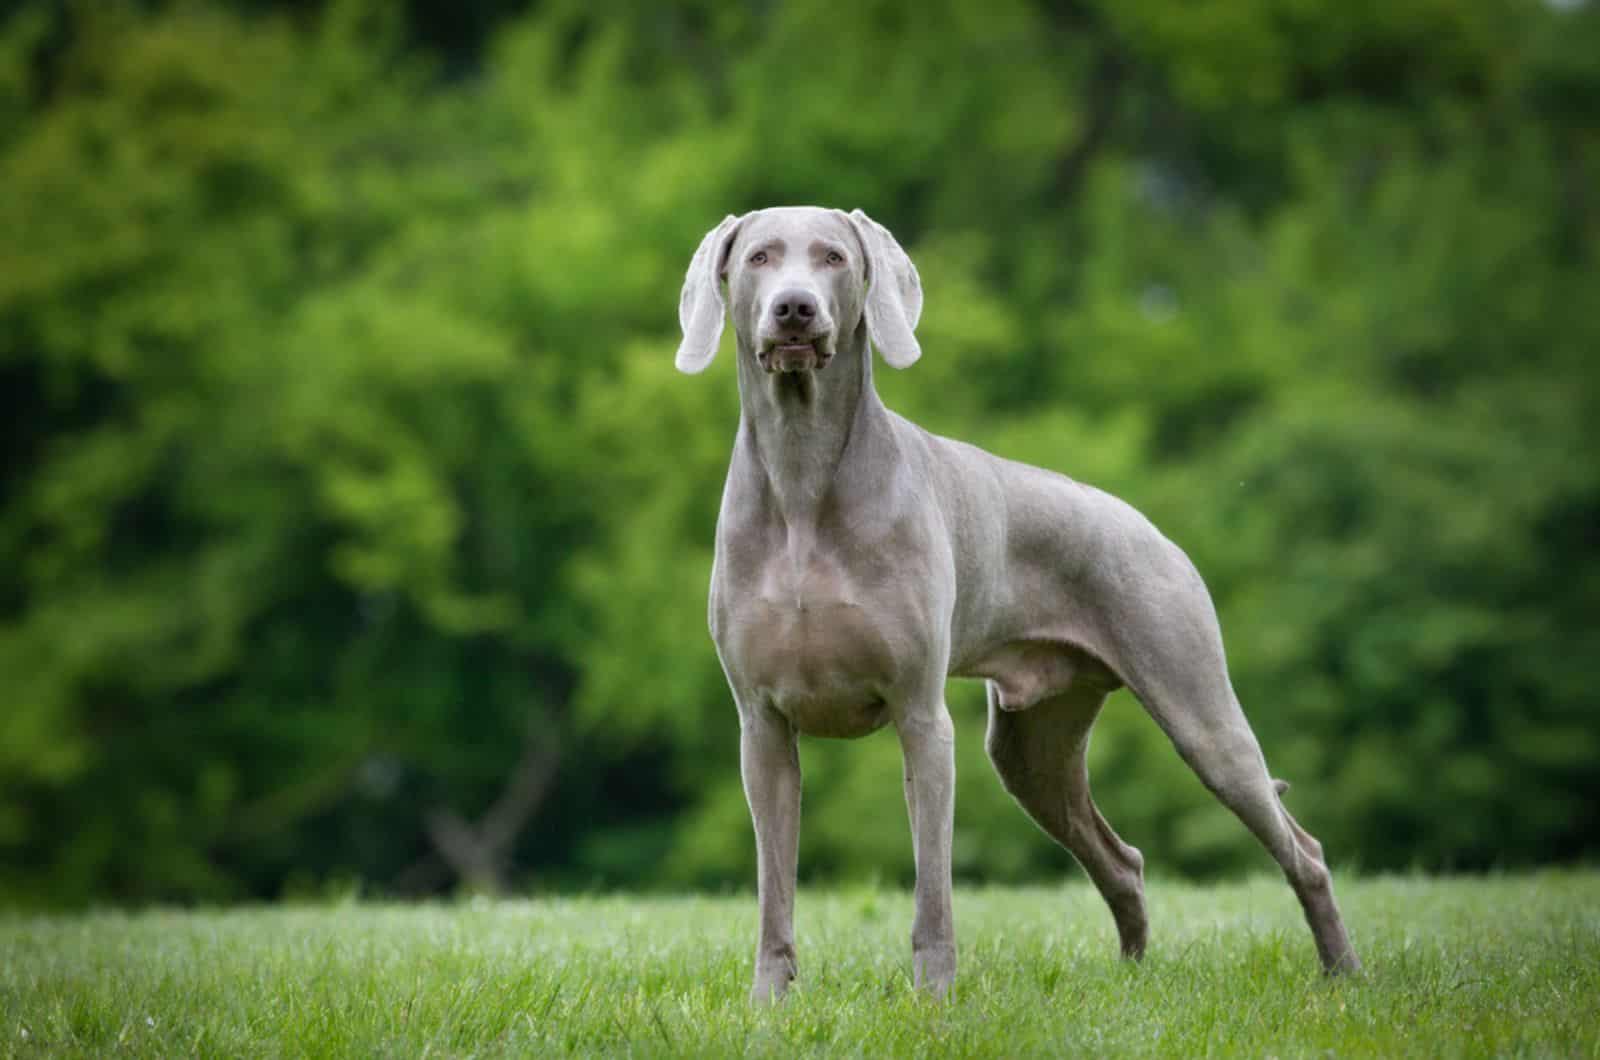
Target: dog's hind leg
{"points": [[1040, 753], [1196, 707]]}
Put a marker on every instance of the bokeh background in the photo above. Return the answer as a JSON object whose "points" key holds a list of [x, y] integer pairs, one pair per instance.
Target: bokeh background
{"points": [[355, 527]]}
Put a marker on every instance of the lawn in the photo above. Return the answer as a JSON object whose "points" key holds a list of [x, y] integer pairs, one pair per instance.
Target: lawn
{"points": [[1499, 966]]}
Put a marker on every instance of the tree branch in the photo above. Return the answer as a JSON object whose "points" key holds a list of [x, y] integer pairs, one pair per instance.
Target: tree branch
{"points": [[1102, 93], [478, 855]]}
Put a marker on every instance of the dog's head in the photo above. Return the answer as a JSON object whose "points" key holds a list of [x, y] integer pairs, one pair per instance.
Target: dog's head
{"points": [[799, 279]]}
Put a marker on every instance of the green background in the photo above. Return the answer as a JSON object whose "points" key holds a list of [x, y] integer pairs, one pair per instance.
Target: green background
{"points": [[355, 526]]}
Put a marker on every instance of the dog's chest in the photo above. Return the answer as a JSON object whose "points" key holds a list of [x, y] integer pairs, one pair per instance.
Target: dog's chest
{"points": [[808, 636]]}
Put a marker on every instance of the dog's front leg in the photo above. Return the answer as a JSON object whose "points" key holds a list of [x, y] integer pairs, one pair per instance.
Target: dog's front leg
{"points": [[927, 739], [769, 761]]}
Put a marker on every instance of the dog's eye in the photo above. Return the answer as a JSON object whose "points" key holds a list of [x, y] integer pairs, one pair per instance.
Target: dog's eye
{"points": [[835, 258], [758, 258]]}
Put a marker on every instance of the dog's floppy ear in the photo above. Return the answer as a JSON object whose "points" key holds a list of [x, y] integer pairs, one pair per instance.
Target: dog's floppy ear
{"points": [[894, 293], [700, 307]]}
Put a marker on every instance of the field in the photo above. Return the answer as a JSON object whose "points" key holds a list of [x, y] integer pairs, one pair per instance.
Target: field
{"points": [[1500, 966]]}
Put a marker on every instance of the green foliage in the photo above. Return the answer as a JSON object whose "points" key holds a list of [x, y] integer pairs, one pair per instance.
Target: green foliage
{"points": [[345, 472], [1488, 967]]}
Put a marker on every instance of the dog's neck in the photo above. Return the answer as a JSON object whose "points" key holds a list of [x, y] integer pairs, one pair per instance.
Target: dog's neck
{"points": [[800, 428]]}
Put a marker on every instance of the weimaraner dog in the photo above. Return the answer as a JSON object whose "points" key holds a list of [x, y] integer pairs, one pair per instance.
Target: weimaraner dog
{"points": [[860, 560]]}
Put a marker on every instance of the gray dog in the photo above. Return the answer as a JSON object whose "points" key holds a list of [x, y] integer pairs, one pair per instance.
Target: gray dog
{"points": [[861, 560]]}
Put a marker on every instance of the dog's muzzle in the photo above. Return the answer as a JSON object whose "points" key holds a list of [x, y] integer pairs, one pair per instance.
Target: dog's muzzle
{"points": [[791, 357]]}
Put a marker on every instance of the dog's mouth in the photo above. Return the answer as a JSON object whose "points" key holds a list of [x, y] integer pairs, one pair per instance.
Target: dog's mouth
{"points": [[791, 357]]}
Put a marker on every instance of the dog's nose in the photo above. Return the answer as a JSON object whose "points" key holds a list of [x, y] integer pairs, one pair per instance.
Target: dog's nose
{"points": [[794, 307]]}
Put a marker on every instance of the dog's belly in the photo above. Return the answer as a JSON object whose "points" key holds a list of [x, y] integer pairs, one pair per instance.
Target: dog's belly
{"points": [[1024, 672], [822, 665]]}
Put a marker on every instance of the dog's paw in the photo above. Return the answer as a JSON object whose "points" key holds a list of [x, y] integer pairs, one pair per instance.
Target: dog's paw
{"points": [[934, 970], [773, 977]]}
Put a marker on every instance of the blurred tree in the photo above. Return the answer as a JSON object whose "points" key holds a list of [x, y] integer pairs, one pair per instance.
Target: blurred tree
{"points": [[356, 525]]}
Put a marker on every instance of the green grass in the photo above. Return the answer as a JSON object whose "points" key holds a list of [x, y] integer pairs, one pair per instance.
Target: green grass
{"points": [[1499, 966]]}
